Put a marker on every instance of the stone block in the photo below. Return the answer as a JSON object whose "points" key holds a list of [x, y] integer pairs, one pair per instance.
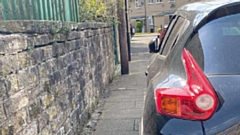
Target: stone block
{"points": [[44, 70], [59, 36], [52, 112], [55, 52], [16, 102], [24, 60], [53, 65], [35, 110], [38, 40], [43, 120], [47, 101], [4, 88], [19, 120], [8, 64], [36, 56], [61, 89], [75, 35], [70, 132], [31, 129], [28, 78], [3, 116], [56, 125], [75, 119], [68, 126], [67, 60], [7, 129], [23, 100], [46, 130], [71, 45], [61, 131], [12, 44], [12, 84], [47, 53]]}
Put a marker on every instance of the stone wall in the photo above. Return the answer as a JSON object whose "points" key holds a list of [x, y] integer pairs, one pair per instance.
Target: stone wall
{"points": [[51, 75]]}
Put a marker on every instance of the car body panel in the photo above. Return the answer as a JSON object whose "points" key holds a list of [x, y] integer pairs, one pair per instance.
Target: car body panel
{"points": [[187, 127], [199, 12], [228, 114], [167, 71], [154, 68]]}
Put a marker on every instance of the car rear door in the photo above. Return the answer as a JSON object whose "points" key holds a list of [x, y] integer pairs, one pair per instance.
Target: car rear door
{"points": [[169, 39]]}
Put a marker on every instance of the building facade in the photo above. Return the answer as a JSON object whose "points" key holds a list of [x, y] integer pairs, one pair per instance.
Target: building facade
{"points": [[156, 12]]}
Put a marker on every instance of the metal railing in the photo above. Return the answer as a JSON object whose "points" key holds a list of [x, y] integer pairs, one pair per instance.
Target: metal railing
{"points": [[57, 10]]}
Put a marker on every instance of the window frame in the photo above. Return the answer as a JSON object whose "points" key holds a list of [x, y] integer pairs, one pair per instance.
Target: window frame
{"points": [[159, 1], [169, 29], [150, 20], [171, 0], [150, 1], [137, 5], [172, 25]]}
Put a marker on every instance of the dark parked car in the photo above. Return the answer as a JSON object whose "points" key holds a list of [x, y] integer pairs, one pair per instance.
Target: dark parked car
{"points": [[193, 85]]}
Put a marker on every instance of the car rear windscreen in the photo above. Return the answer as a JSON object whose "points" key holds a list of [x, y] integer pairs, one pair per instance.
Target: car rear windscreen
{"points": [[216, 47]]}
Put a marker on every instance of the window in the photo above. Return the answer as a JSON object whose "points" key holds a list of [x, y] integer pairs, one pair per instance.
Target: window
{"points": [[173, 32], [231, 31], [150, 20], [159, 1], [137, 3], [171, 0], [216, 46], [150, 1]]}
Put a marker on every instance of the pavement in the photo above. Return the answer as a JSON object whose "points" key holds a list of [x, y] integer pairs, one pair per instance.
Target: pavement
{"points": [[121, 108], [143, 39]]}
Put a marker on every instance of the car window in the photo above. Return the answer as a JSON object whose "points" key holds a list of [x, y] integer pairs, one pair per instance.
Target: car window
{"points": [[227, 31], [167, 32], [173, 35], [216, 46]]}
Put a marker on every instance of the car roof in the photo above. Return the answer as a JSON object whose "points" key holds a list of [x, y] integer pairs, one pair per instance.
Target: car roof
{"points": [[199, 11]]}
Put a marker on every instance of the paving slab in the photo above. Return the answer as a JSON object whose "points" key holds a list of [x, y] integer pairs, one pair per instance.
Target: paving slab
{"points": [[119, 105], [139, 104], [125, 98], [127, 92], [123, 104], [122, 114], [117, 125], [113, 132]]}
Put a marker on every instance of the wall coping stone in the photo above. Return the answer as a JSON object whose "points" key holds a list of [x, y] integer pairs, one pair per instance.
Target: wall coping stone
{"points": [[43, 26]]}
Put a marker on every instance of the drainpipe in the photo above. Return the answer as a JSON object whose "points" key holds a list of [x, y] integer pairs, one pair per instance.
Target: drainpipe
{"points": [[145, 14]]}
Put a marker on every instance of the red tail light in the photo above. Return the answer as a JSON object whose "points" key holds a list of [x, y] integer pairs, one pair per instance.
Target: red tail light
{"points": [[196, 100]]}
